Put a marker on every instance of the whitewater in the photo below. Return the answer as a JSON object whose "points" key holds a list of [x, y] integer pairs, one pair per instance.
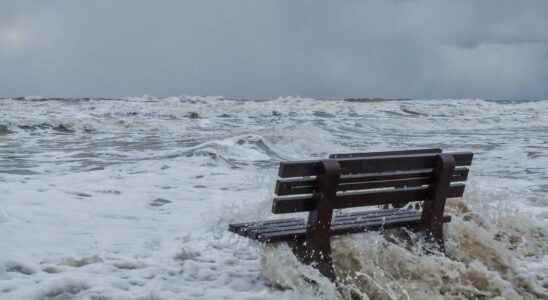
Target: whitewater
{"points": [[130, 198]]}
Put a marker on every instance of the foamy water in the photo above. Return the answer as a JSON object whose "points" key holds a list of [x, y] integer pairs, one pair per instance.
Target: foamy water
{"points": [[130, 198]]}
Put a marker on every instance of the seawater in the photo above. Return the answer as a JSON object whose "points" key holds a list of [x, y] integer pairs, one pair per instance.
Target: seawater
{"points": [[130, 198]]}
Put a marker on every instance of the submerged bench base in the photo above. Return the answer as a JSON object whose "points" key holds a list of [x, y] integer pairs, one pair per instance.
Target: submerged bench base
{"points": [[284, 230]]}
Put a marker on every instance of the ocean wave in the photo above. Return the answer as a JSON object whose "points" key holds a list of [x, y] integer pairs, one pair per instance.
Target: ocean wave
{"points": [[213, 160], [4, 130], [234, 150], [483, 261], [58, 128]]}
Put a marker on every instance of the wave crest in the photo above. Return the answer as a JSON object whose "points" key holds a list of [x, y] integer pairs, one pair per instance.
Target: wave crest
{"points": [[478, 264]]}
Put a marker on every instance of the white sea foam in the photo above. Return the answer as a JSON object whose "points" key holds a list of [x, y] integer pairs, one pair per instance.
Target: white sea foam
{"points": [[130, 198]]}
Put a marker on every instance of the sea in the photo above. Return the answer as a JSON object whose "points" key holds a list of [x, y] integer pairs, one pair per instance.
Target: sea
{"points": [[131, 197]]}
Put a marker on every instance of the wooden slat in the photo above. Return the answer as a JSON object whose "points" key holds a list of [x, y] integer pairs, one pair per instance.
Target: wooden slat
{"points": [[375, 164], [294, 186], [299, 234], [368, 198], [235, 227], [253, 228], [385, 153], [272, 225], [348, 221]]}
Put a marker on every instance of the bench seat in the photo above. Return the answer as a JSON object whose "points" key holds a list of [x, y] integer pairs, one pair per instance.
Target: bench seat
{"points": [[291, 229]]}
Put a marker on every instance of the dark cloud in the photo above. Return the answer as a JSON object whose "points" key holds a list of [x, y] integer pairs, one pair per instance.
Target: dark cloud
{"points": [[271, 48]]}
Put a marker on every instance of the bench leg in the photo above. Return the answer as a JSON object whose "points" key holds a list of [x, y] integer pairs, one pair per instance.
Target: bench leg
{"points": [[316, 248], [432, 214]]}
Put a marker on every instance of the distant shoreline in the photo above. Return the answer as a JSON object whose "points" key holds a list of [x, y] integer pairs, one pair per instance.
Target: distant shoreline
{"points": [[347, 99]]}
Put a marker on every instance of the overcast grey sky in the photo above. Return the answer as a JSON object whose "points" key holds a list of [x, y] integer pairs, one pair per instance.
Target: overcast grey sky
{"points": [[262, 48]]}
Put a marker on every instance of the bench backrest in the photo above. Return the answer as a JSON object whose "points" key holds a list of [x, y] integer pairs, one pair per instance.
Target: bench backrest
{"points": [[368, 179]]}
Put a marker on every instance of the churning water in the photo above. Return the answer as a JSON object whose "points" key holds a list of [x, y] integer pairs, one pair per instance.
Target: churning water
{"points": [[130, 198]]}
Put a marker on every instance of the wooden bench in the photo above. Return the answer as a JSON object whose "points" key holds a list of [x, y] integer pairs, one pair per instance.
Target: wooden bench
{"points": [[357, 180]]}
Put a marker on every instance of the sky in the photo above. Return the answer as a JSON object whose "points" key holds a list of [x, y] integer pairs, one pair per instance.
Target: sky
{"points": [[263, 49]]}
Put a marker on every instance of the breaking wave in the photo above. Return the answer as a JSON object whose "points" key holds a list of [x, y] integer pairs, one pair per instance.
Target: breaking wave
{"points": [[483, 262], [130, 198]]}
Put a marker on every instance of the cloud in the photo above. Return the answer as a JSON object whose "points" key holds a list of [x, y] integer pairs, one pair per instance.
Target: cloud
{"points": [[271, 48]]}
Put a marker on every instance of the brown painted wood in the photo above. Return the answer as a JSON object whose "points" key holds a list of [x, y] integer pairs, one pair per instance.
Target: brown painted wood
{"points": [[295, 186], [366, 225], [253, 232], [250, 229], [291, 204], [318, 244], [379, 184], [375, 164], [432, 212], [385, 153], [338, 227]]}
